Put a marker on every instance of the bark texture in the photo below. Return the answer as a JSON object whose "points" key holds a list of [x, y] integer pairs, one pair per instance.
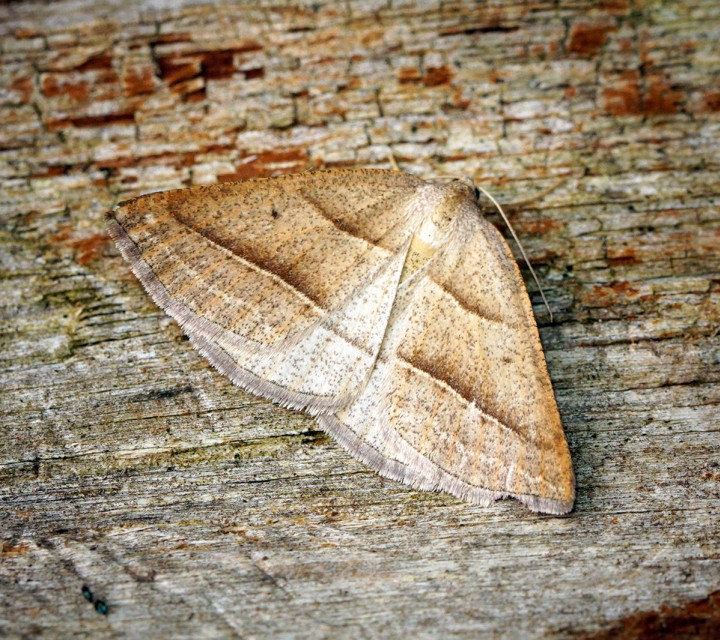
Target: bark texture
{"points": [[192, 509]]}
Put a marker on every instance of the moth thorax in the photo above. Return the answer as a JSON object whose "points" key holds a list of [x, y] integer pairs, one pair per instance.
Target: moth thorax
{"points": [[431, 233], [449, 199], [441, 209]]}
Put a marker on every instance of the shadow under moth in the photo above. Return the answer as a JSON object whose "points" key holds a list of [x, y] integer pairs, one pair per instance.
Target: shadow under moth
{"points": [[384, 305]]}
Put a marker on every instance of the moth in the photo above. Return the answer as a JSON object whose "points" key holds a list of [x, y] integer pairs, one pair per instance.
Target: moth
{"points": [[382, 304]]}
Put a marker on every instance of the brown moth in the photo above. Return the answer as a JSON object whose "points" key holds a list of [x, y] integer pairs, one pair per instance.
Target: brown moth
{"points": [[384, 305]]}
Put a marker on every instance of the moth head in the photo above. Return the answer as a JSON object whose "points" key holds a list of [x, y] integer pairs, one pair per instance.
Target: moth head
{"points": [[454, 196], [468, 182]]}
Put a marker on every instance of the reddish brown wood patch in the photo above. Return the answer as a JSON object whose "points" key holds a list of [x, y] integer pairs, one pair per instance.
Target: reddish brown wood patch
{"points": [[587, 39], [628, 98], [211, 64], [436, 76], [86, 249], [699, 619], [269, 163]]}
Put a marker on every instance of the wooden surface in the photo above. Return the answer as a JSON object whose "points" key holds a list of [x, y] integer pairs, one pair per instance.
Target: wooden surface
{"points": [[196, 510]]}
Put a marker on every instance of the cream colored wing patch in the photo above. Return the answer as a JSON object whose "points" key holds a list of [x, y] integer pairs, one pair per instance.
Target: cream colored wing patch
{"points": [[460, 399]]}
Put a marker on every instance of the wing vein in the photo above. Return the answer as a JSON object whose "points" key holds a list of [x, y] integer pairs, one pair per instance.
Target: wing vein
{"points": [[256, 267], [491, 417], [482, 315]]}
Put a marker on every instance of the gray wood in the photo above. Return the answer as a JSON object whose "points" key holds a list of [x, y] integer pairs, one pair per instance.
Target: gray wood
{"points": [[196, 510]]}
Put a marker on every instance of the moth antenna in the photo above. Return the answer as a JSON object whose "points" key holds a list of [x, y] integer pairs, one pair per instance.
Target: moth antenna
{"points": [[522, 251]]}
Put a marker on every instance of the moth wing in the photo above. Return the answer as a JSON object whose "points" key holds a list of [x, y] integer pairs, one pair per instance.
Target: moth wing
{"points": [[284, 284], [461, 397]]}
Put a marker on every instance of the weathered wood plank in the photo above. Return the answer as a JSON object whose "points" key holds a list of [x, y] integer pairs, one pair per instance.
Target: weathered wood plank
{"points": [[196, 510]]}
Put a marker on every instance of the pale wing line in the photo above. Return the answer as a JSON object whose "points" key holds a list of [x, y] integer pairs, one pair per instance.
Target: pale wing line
{"points": [[145, 273], [464, 401], [283, 345], [428, 475], [403, 220], [185, 316], [240, 343], [417, 475], [213, 329], [217, 294], [444, 384], [322, 321], [463, 413], [191, 282], [169, 266], [389, 312], [496, 244], [422, 473], [255, 267], [466, 307], [346, 228], [338, 225]]}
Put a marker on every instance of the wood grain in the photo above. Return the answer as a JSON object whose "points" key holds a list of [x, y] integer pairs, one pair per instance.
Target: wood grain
{"points": [[195, 510]]}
